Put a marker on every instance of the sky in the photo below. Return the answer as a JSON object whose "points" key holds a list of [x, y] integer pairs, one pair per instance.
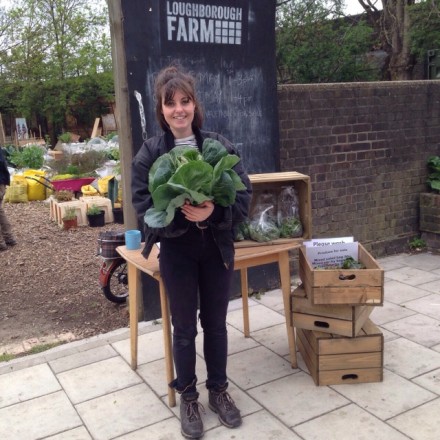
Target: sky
{"points": [[353, 7]]}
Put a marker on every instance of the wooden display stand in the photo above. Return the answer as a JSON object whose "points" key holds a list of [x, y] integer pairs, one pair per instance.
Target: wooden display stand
{"points": [[343, 286], [344, 320], [335, 359], [273, 183]]}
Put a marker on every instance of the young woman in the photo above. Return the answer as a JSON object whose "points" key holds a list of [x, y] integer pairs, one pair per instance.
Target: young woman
{"points": [[196, 254]]}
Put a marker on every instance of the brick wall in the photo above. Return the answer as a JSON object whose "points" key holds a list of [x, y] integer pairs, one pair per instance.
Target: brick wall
{"points": [[365, 147]]}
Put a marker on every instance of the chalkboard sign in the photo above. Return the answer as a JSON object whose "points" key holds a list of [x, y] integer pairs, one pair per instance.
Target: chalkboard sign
{"points": [[229, 46]]}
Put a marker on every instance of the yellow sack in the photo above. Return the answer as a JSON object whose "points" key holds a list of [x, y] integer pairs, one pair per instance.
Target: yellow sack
{"points": [[103, 184], [89, 190], [36, 189], [17, 192]]}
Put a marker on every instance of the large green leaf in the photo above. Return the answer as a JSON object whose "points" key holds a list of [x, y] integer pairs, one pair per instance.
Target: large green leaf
{"points": [[193, 175], [160, 172], [154, 218], [224, 190], [164, 194], [213, 151], [225, 163]]}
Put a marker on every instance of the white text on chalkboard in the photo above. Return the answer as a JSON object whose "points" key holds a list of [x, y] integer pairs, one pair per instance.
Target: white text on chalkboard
{"points": [[196, 23]]}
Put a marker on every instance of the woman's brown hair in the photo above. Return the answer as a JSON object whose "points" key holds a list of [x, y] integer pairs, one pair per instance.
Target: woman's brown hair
{"points": [[168, 81]]}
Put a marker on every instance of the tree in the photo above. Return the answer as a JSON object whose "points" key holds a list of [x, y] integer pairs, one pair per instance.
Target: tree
{"points": [[316, 44], [393, 26], [425, 29], [52, 47]]}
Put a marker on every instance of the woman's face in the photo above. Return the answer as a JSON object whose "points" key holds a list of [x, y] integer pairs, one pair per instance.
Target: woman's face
{"points": [[179, 114]]}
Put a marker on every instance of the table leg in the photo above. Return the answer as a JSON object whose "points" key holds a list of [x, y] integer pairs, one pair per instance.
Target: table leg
{"points": [[283, 264], [133, 310], [169, 361], [245, 302]]}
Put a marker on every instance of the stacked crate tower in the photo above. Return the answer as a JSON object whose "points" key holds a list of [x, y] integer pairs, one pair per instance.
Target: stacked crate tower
{"points": [[330, 313]]}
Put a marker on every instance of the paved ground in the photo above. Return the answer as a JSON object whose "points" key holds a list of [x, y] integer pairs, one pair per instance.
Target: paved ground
{"points": [[86, 390]]}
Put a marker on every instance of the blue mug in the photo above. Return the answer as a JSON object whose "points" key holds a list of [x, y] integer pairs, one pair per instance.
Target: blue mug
{"points": [[133, 239]]}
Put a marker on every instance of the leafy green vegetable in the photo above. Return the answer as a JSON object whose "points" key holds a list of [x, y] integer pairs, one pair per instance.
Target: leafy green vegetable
{"points": [[263, 228], [185, 174], [351, 263], [290, 227]]}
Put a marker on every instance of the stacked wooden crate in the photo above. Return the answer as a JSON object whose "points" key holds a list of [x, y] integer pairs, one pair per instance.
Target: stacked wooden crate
{"points": [[330, 313]]}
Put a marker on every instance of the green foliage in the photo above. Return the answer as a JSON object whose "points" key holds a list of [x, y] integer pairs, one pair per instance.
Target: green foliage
{"points": [[184, 174], [81, 165], [56, 61], [94, 210], [312, 46], [65, 137], [425, 27], [417, 244], [31, 156], [434, 173], [69, 214]]}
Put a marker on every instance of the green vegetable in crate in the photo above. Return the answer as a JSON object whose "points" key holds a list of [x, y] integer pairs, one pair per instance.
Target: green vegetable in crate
{"points": [[186, 174], [351, 263], [290, 227], [262, 228]]}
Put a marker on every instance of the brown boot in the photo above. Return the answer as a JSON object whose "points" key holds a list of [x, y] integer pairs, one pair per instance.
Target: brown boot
{"points": [[190, 420], [222, 404]]}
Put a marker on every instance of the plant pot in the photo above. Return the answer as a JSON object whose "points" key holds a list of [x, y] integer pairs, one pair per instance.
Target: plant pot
{"points": [[96, 220], [118, 215], [70, 223]]}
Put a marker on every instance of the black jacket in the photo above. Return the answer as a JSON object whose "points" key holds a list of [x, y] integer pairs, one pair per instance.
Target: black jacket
{"points": [[5, 178], [222, 221]]}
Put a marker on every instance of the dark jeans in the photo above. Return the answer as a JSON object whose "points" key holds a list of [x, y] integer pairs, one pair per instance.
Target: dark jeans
{"points": [[193, 271]]}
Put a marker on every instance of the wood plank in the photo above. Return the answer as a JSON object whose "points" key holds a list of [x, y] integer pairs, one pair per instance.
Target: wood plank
{"points": [[349, 361], [301, 304], [371, 295], [96, 131], [335, 377], [324, 324], [308, 358]]}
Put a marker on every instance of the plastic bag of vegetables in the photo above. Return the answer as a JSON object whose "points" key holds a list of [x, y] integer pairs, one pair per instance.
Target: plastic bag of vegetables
{"points": [[262, 228], [288, 219], [186, 174]]}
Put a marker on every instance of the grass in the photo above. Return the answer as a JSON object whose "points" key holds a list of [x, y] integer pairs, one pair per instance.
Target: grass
{"points": [[6, 357]]}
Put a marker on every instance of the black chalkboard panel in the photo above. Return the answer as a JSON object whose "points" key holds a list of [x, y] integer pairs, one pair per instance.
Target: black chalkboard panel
{"points": [[229, 46]]}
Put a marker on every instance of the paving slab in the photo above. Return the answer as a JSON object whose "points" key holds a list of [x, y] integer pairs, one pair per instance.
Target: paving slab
{"points": [[38, 418], [421, 423], [86, 390], [386, 399], [348, 422]]}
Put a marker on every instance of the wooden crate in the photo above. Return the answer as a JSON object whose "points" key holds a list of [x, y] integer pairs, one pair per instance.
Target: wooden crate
{"points": [[333, 359], [342, 320], [343, 286], [274, 182]]}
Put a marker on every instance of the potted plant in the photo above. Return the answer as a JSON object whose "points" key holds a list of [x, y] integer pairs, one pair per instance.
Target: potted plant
{"points": [[70, 219], [63, 195], [430, 202], [95, 216]]}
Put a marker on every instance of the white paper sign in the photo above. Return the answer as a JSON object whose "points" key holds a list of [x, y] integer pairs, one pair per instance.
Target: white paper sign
{"points": [[332, 254], [318, 242]]}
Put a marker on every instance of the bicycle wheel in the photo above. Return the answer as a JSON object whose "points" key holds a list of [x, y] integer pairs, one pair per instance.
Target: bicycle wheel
{"points": [[116, 290]]}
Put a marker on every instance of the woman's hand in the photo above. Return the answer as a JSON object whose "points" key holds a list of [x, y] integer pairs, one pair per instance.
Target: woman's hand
{"points": [[197, 213]]}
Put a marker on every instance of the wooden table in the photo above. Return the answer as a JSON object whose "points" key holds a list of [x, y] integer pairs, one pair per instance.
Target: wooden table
{"points": [[245, 257]]}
